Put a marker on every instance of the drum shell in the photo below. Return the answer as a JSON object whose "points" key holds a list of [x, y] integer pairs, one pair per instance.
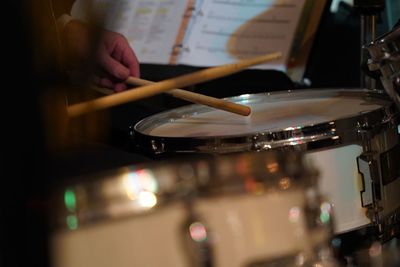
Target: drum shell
{"points": [[245, 230], [242, 214]]}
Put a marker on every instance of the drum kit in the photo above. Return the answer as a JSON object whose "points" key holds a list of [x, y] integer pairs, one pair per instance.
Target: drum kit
{"points": [[311, 178]]}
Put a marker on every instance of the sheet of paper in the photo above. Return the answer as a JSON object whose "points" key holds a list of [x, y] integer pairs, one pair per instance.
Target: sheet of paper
{"points": [[225, 31], [150, 26]]}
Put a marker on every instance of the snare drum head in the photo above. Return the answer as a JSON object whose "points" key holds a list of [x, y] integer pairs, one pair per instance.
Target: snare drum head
{"points": [[271, 113]]}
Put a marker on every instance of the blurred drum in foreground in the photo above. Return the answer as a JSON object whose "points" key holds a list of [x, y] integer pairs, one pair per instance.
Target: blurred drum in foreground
{"points": [[247, 209], [351, 135]]}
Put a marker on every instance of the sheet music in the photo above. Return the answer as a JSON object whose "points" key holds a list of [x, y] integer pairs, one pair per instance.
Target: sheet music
{"points": [[219, 32], [154, 27], [225, 31], [150, 26]]}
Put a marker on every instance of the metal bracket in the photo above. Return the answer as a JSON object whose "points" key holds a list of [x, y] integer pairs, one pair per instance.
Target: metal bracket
{"points": [[367, 168]]}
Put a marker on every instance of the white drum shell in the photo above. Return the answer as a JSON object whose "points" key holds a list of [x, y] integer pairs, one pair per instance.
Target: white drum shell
{"points": [[241, 229], [341, 183]]}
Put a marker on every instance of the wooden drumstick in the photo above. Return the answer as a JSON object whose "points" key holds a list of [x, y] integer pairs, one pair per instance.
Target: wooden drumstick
{"points": [[190, 96], [198, 98], [159, 87]]}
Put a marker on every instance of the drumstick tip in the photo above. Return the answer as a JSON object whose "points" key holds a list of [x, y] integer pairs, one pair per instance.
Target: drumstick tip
{"points": [[247, 111]]}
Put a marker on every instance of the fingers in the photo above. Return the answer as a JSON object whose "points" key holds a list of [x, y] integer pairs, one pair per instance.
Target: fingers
{"points": [[122, 52], [130, 60], [117, 62], [112, 66], [103, 82], [108, 83], [119, 87]]}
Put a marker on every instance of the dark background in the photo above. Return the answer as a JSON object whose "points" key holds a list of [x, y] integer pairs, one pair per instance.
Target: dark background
{"points": [[29, 169]]}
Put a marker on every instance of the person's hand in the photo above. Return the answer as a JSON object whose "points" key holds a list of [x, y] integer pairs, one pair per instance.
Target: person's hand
{"points": [[113, 58]]}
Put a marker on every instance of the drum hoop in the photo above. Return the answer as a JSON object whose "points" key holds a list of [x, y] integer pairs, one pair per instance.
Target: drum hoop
{"points": [[342, 131]]}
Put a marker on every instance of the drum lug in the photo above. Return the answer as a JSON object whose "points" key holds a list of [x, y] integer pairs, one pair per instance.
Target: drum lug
{"points": [[371, 192], [157, 146], [255, 142], [131, 132], [368, 169]]}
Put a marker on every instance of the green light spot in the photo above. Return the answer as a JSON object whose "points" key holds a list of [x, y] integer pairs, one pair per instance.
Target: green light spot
{"points": [[72, 222], [70, 200], [325, 217]]}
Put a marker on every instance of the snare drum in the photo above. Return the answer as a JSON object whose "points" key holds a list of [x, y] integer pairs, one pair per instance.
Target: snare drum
{"points": [[350, 135], [257, 209]]}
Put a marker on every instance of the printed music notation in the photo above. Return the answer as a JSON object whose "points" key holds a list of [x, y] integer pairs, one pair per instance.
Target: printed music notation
{"points": [[206, 33], [229, 30], [154, 27]]}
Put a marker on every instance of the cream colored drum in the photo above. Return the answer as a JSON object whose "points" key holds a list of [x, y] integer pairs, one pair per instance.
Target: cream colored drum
{"points": [[257, 209], [350, 135]]}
